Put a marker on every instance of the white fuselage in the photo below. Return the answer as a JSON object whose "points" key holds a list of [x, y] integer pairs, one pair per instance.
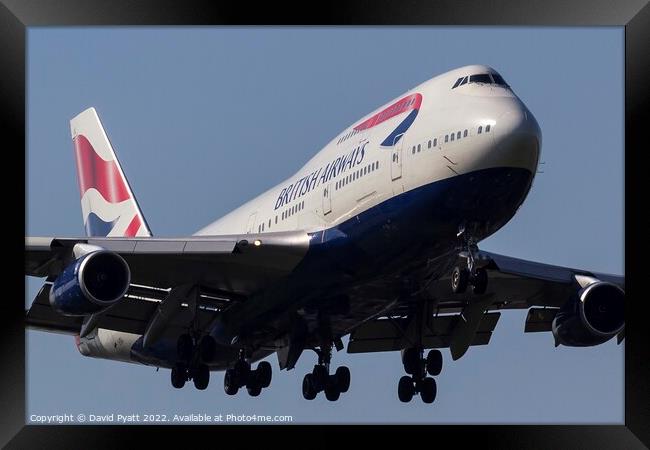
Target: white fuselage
{"points": [[324, 193]]}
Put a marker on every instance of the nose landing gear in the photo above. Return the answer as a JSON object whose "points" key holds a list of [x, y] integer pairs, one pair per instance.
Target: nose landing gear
{"points": [[476, 276]]}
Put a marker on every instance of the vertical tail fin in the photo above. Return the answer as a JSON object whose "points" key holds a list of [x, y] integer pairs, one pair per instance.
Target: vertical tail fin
{"points": [[108, 205]]}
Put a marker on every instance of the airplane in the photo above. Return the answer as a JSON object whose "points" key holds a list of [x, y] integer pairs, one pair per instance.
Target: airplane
{"points": [[375, 238]]}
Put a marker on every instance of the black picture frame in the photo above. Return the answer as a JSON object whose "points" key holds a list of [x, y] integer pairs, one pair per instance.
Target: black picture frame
{"points": [[634, 15]]}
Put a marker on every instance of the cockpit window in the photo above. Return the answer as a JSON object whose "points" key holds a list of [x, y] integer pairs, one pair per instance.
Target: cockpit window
{"points": [[480, 78], [459, 82], [498, 79]]}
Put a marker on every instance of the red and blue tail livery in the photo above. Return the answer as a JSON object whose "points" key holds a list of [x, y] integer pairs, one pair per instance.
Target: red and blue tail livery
{"points": [[108, 205]]}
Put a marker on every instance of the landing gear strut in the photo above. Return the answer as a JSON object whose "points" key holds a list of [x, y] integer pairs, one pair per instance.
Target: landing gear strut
{"points": [[241, 375], [476, 276], [193, 353], [418, 367], [320, 379]]}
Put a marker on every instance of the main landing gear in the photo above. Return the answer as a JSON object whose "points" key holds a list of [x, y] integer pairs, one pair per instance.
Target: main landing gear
{"points": [[241, 375], [418, 367], [476, 276], [193, 353], [321, 380]]}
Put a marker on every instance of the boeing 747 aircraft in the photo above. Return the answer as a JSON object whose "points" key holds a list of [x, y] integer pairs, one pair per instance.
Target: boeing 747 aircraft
{"points": [[375, 237]]}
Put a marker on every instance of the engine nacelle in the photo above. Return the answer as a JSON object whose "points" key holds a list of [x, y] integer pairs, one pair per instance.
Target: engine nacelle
{"points": [[91, 283], [594, 316]]}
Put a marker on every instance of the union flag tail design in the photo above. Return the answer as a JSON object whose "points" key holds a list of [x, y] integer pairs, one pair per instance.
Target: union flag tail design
{"points": [[108, 205]]}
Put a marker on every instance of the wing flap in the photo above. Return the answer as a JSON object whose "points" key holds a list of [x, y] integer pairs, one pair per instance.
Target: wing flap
{"points": [[384, 335]]}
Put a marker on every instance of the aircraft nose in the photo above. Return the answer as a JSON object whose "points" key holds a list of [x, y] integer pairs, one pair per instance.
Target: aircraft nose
{"points": [[518, 137]]}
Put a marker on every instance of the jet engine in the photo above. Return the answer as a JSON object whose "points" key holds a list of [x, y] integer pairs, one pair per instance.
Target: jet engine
{"points": [[90, 284], [592, 317]]}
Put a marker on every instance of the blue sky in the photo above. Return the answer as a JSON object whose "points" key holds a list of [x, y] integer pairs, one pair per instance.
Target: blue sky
{"points": [[205, 118]]}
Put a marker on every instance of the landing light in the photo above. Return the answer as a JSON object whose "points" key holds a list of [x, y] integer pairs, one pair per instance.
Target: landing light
{"points": [[257, 243]]}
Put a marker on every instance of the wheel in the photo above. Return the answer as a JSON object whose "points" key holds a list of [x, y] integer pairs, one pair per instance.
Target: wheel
{"points": [[459, 279], [320, 376], [179, 376], [308, 389], [184, 347], [428, 390], [405, 389], [254, 389], [201, 377], [230, 382], [264, 374], [480, 281], [207, 348], [342, 375], [434, 362], [332, 392], [242, 372], [411, 360]]}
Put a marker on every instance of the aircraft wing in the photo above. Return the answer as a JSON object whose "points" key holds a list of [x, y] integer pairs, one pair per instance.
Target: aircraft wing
{"points": [[513, 284], [226, 267]]}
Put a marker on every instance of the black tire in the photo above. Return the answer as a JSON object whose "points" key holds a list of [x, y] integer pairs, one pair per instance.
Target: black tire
{"points": [[479, 281], [207, 348], [434, 363], [184, 347], [179, 376], [201, 377], [411, 360], [342, 376], [459, 280], [230, 382], [308, 389], [254, 390], [264, 374], [242, 372], [428, 390], [321, 376], [405, 389], [332, 392]]}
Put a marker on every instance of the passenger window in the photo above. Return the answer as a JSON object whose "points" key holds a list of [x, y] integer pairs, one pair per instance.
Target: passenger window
{"points": [[452, 136], [412, 151], [429, 144], [487, 128], [269, 223], [458, 135], [435, 142], [418, 148], [465, 133], [446, 138], [480, 129], [276, 219]]}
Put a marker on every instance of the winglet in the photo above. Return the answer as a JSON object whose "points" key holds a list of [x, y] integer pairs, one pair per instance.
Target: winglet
{"points": [[108, 205]]}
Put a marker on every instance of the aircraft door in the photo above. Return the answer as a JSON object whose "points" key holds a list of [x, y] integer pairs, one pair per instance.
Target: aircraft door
{"points": [[252, 219], [396, 158], [327, 199]]}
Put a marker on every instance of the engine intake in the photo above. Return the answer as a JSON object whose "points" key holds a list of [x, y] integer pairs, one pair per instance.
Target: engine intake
{"points": [[594, 316], [90, 284]]}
